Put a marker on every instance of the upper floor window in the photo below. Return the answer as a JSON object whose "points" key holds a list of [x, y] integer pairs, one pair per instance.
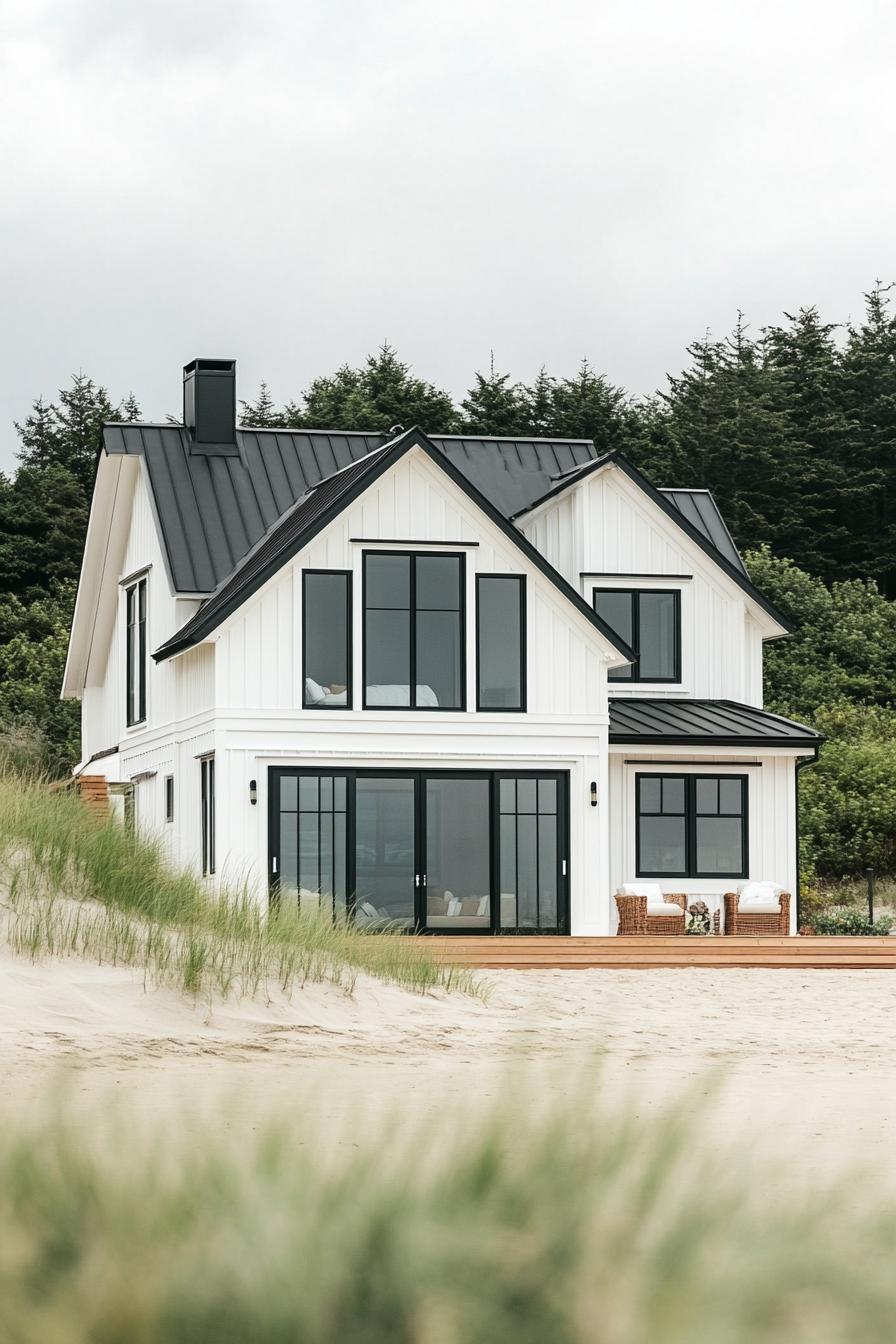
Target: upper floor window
{"points": [[649, 620], [691, 825], [500, 642], [413, 631], [135, 598], [327, 638]]}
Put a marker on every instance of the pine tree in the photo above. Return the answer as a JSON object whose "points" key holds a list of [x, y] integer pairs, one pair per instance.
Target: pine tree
{"points": [[262, 413], [538, 405], [869, 388], [588, 406], [494, 405], [379, 395]]}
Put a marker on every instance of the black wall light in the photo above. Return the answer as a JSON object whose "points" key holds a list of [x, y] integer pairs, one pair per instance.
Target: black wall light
{"points": [[593, 793], [253, 791]]}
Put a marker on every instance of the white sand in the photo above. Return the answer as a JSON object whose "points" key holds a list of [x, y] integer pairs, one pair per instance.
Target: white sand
{"points": [[809, 1067]]}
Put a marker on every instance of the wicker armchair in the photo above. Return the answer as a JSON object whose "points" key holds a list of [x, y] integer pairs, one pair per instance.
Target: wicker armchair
{"points": [[754, 925], [634, 919]]}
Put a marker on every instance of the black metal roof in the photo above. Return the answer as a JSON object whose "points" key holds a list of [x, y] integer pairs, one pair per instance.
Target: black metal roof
{"points": [[661, 722], [213, 509], [323, 502], [702, 512]]}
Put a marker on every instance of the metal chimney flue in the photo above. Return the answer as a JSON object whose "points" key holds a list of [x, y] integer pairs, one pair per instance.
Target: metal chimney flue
{"points": [[210, 405]]}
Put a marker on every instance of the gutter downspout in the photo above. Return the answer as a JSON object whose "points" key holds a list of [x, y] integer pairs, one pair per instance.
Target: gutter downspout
{"points": [[801, 764]]}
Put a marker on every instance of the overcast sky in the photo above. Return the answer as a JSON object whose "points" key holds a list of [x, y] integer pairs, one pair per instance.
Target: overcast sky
{"points": [[289, 183]]}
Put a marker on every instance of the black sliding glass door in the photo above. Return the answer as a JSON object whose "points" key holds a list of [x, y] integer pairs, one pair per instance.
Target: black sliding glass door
{"points": [[439, 851]]}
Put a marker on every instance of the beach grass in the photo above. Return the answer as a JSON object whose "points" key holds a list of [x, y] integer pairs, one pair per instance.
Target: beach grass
{"points": [[526, 1225], [81, 885]]}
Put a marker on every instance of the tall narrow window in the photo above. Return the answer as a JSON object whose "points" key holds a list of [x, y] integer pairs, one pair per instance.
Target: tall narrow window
{"points": [[327, 638], [500, 641], [413, 631], [649, 620], [135, 599], [692, 825], [207, 765], [169, 797]]}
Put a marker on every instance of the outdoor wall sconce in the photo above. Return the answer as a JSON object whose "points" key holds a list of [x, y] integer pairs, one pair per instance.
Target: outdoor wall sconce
{"points": [[253, 791], [593, 794]]}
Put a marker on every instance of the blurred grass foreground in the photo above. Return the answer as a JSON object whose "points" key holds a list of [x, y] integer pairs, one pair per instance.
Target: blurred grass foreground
{"points": [[521, 1226]]}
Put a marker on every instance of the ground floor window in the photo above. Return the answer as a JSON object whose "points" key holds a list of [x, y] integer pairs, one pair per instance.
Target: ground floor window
{"points": [[691, 825], [207, 797], [441, 851]]}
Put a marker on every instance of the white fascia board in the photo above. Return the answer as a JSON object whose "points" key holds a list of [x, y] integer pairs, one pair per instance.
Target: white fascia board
{"points": [[106, 491]]}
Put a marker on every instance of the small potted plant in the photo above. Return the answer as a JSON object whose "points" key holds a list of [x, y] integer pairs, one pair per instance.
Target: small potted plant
{"points": [[699, 919]]}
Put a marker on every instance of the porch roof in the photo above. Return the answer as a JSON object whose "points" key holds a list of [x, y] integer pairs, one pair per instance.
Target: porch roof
{"points": [[648, 722]]}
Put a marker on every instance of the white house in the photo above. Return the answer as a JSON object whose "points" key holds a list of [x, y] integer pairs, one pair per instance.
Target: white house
{"points": [[467, 684]]}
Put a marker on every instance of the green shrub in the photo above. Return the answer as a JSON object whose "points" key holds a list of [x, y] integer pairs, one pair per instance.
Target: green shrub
{"points": [[848, 922]]}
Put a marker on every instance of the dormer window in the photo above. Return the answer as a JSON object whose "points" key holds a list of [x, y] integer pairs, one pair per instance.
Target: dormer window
{"points": [[649, 620]]}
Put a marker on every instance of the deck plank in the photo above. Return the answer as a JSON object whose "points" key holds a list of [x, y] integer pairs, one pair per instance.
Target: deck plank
{"points": [[588, 953]]}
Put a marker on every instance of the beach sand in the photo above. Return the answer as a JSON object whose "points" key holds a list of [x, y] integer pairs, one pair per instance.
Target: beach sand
{"points": [[785, 1064]]}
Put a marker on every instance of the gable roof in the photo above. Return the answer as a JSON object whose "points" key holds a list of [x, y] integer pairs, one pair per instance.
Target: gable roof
{"points": [[324, 502], [701, 521], [704, 723], [212, 510]]}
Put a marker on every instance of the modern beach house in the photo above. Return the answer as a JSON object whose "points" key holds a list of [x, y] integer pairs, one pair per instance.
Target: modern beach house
{"points": [[471, 685]]}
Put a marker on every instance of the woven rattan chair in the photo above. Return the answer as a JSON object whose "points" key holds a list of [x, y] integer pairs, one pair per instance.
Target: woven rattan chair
{"points": [[748, 924], [634, 919]]}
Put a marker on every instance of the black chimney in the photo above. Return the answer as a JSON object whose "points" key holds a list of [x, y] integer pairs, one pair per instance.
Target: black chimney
{"points": [[210, 405]]}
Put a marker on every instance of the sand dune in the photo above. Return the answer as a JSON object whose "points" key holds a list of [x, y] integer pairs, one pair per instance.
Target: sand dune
{"points": [[807, 1056]]}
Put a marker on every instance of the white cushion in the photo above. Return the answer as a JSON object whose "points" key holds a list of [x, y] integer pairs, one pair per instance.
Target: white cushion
{"points": [[314, 693], [656, 901], [664, 908], [652, 890], [760, 898]]}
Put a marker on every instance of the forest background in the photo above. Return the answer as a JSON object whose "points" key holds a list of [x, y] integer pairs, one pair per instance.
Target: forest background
{"points": [[793, 429]]}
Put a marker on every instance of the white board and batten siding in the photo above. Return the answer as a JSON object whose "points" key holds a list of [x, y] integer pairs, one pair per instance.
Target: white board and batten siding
{"points": [[259, 679], [771, 817], [624, 534]]}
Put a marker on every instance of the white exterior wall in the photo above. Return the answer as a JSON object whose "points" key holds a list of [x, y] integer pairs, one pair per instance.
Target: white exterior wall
{"points": [[622, 533], [260, 720], [771, 816]]}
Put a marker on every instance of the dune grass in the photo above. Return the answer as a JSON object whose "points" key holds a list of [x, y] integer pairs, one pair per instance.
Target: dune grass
{"points": [[510, 1226], [81, 886]]}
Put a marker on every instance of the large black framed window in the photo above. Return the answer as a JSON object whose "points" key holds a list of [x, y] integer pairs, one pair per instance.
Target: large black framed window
{"points": [[691, 825], [326, 639], [414, 631], [135, 603], [501, 642], [207, 802], [649, 620]]}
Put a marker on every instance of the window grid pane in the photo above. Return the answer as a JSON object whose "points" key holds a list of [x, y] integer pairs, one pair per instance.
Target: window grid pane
{"points": [[414, 631], [691, 826]]}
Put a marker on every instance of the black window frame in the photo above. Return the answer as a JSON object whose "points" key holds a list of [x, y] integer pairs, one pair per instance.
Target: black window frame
{"points": [[412, 706], [690, 782], [136, 596], [519, 579], [349, 628], [634, 672], [169, 798], [207, 813]]}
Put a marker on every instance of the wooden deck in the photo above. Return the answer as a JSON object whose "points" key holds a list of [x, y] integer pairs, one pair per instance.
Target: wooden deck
{"points": [[558, 953]]}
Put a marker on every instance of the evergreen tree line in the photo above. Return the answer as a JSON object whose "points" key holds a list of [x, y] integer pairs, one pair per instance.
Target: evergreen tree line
{"points": [[793, 429]]}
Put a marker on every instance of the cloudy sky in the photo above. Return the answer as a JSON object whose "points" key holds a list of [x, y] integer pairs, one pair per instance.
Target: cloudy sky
{"points": [[289, 183]]}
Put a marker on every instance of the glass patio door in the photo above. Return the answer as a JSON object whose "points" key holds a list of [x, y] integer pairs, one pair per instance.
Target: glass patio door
{"points": [[385, 849], [532, 863], [457, 867], [443, 852]]}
